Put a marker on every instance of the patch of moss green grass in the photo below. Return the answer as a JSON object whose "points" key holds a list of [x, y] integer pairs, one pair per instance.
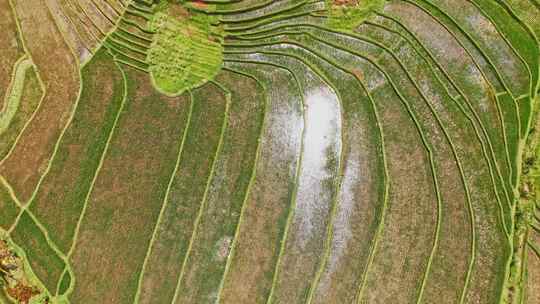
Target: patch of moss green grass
{"points": [[29, 101], [186, 49], [64, 283], [349, 14], [8, 208], [529, 192], [44, 262]]}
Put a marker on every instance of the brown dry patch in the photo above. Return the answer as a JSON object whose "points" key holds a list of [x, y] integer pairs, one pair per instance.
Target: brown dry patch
{"points": [[200, 4], [45, 263], [135, 18], [178, 11], [346, 2], [60, 198], [115, 5], [533, 271], [25, 165], [461, 68], [78, 43], [136, 32], [406, 240], [258, 242], [94, 11], [22, 293], [491, 248], [107, 11], [491, 253], [78, 21], [185, 196], [204, 269], [438, 40], [359, 74], [30, 98], [485, 34], [8, 209], [128, 194], [10, 47], [451, 260]]}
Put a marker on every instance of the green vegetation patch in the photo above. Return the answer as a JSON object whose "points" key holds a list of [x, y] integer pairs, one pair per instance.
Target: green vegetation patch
{"points": [[42, 259], [8, 209], [15, 93], [186, 50], [23, 110], [348, 14], [64, 283]]}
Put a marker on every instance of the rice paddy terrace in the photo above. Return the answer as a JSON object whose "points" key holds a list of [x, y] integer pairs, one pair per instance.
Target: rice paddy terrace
{"points": [[269, 151]]}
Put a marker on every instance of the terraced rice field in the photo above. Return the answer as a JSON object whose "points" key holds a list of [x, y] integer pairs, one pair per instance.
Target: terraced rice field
{"points": [[269, 151]]}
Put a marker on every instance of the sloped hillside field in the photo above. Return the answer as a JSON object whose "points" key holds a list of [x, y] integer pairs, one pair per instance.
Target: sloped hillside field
{"points": [[269, 151]]}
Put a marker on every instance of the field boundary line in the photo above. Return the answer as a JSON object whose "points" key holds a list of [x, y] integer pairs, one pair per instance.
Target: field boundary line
{"points": [[59, 283], [381, 223], [492, 90], [25, 207], [83, 13], [234, 11], [511, 205], [337, 183], [250, 183], [297, 171], [63, 35], [79, 15], [31, 118], [425, 142], [318, 27], [520, 144], [459, 90], [534, 248], [8, 187], [40, 226], [451, 145], [315, 69], [268, 15], [426, 145], [490, 86], [523, 97], [57, 144], [329, 235], [102, 12], [504, 37], [369, 40], [460, 166], [21, 38], [531, 33], [224, 128], [165, 199], [96, 173], [337, 178], [27, 63], [55, 149]]}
